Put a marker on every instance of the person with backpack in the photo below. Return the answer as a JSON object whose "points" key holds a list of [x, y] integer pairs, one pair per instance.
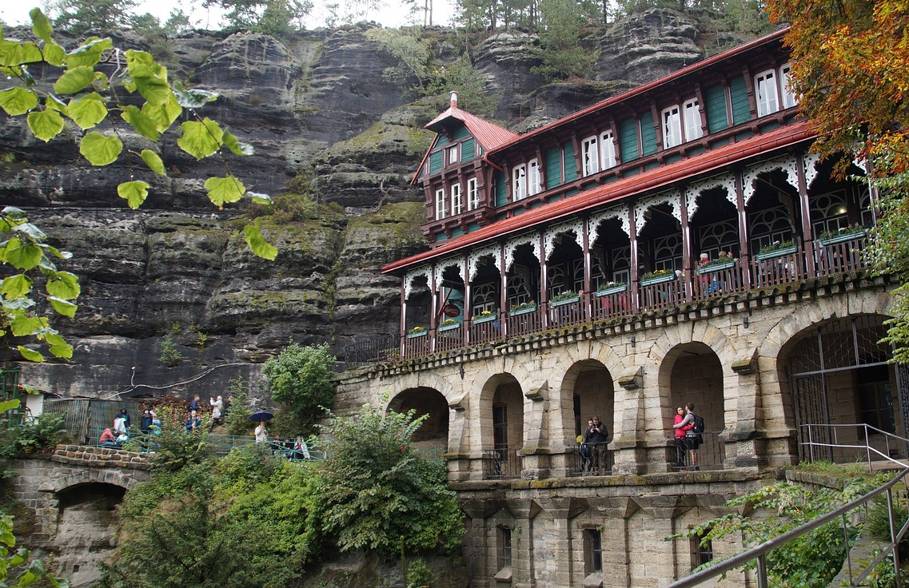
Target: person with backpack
{"points": [[693, 425]]}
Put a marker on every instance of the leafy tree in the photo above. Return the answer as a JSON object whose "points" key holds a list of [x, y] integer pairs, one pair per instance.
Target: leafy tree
{"points": [[83, 96], [82, 16], [276, 17], [237, 417], [562, 54], [378, 494], [177, 22], [301, 379], [849, 70], [176, 448]]}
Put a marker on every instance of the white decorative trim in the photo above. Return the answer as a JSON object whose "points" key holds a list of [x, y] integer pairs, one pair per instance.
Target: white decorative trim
{"points": [[473, 260], [594, 222], [512, 244], [549, 240], [726, 181], [410, 276], [787, 165], [671, 197], [441, 266], [809, 163], [862, 164]]}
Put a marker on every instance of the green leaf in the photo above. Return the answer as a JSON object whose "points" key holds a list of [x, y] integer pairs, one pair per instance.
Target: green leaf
{"points": [[63, 307], [188, 98], [24, 326], [144, 125], [23, 255], [236, 147], [74, 79], [17, 101], [200, 139], [58, 346], [163, 114], [87, 111], [45, 124], [153, 161], [14, 53], [6, 406], [63, 285], [226, 189], [15, 286], [41, 25], [29, 354], [134, 192], [89, 53], [100, 149], [149, 76], [54, 54], [257, 243], [260, 198]]}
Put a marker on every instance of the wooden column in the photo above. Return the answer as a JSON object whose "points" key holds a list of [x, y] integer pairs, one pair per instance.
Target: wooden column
{"points": [[544, 290], [749, 89], [633, 249], [468, 313], [434, 295], [805, 207], [587, 295], [744, 242], [503, 291], [686, 246], [658, 126], [702, 110], [578, 156], [403, 329]]}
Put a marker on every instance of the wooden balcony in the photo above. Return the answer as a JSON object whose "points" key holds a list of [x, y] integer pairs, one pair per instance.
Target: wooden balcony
{"points": [[841, 254]]}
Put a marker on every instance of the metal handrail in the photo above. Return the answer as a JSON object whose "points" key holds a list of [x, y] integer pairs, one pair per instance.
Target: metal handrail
{"points": [[867, 446], [760, 552]]}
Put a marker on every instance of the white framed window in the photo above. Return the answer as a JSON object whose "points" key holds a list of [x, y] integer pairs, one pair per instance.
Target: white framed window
{"points": [[455, 199], [534, 179], [451, 155], [473, 194], [765, 88], [519, 182], [692, 111], [590, 156], [789, 99], [672, 127], [440, 204], [607, 150]]}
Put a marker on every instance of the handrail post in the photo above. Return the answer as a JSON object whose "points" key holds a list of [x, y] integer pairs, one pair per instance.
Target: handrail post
{"points": [[893, 543], [868, 448], [848, 551], [810, 444], [762, 571]]}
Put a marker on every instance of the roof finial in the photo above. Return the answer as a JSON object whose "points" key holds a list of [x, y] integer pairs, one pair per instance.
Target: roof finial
{"points": [[453, 100]]}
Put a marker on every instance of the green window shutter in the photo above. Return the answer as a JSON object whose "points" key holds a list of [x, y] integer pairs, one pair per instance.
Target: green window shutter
{"points": [[571, 166], [715, 98], [648, 134], [500, 189], [435, 161], [553, 167], [468, 150], [441, 140], [628, 139], [460, 133], [741, 111]]}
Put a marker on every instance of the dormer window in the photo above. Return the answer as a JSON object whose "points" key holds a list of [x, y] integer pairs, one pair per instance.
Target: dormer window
{"points": [[672, 127], [788, 95], [590, 156], [455, 199], [473, 194], [519, 182], [451, 155], [534, 184], [440, 204], [692, 111], [607, 150], [765, 87]]}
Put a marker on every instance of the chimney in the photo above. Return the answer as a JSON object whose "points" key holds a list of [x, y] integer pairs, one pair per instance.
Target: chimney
{"points": [[453, 101]]}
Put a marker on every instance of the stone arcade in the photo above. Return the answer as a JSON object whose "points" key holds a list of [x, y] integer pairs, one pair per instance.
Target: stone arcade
{"points": [[677, 243]]}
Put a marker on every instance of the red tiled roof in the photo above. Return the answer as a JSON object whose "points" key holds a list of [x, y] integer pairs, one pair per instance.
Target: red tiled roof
{"points": [[647, 181], [642, 88], [488, 134]]}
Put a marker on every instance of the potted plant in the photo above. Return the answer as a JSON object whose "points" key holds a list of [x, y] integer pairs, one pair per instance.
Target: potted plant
{"points": [[484, 317], [417, 331], [657, 277], [776, 249], [611, 288], [842, 235], [449, 324], [723, 262], [566, 297], [523, 308]]}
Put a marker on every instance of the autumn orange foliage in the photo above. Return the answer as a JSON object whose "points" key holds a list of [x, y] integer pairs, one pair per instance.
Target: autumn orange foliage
{"points": [[850, 68]]}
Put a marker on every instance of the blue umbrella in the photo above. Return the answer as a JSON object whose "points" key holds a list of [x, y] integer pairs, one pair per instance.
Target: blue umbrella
{"points": [[260, 416]]}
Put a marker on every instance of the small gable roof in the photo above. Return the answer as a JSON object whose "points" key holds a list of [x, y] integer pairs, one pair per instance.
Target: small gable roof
{"points": [[487, 134]]}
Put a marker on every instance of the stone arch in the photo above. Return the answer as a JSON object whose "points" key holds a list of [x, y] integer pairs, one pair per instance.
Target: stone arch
{"points": [[502, 419], [588, 389], [429, 402], [89, 475]]}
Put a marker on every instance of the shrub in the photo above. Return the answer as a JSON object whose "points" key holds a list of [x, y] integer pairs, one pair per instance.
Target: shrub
{"points": [[170, 355], [40, 433], [237, 416], [301, 379], [419, 574], [175, 447]]}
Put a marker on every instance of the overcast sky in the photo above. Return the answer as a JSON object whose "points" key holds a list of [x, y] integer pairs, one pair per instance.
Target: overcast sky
{"points": [[392, 13]]}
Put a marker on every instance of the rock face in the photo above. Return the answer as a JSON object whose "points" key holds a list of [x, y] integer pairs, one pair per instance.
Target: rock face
{"points": [[324, 122]]}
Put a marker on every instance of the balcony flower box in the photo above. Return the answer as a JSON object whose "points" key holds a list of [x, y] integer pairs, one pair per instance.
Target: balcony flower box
{"points": [[608, 290], [658, 279], [480, 319], [525, 308], [449, 327], [716, 266], [774, 253], [565, 298], [833, 239], [417, 332]]}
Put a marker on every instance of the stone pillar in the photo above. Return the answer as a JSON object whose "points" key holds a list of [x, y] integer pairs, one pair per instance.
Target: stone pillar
{"points": [[476, 548], [629, 454], [535, 452], [746, 446], [522, 542], [656, 557], [614, 513], [564, 545], [458, 455]]}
